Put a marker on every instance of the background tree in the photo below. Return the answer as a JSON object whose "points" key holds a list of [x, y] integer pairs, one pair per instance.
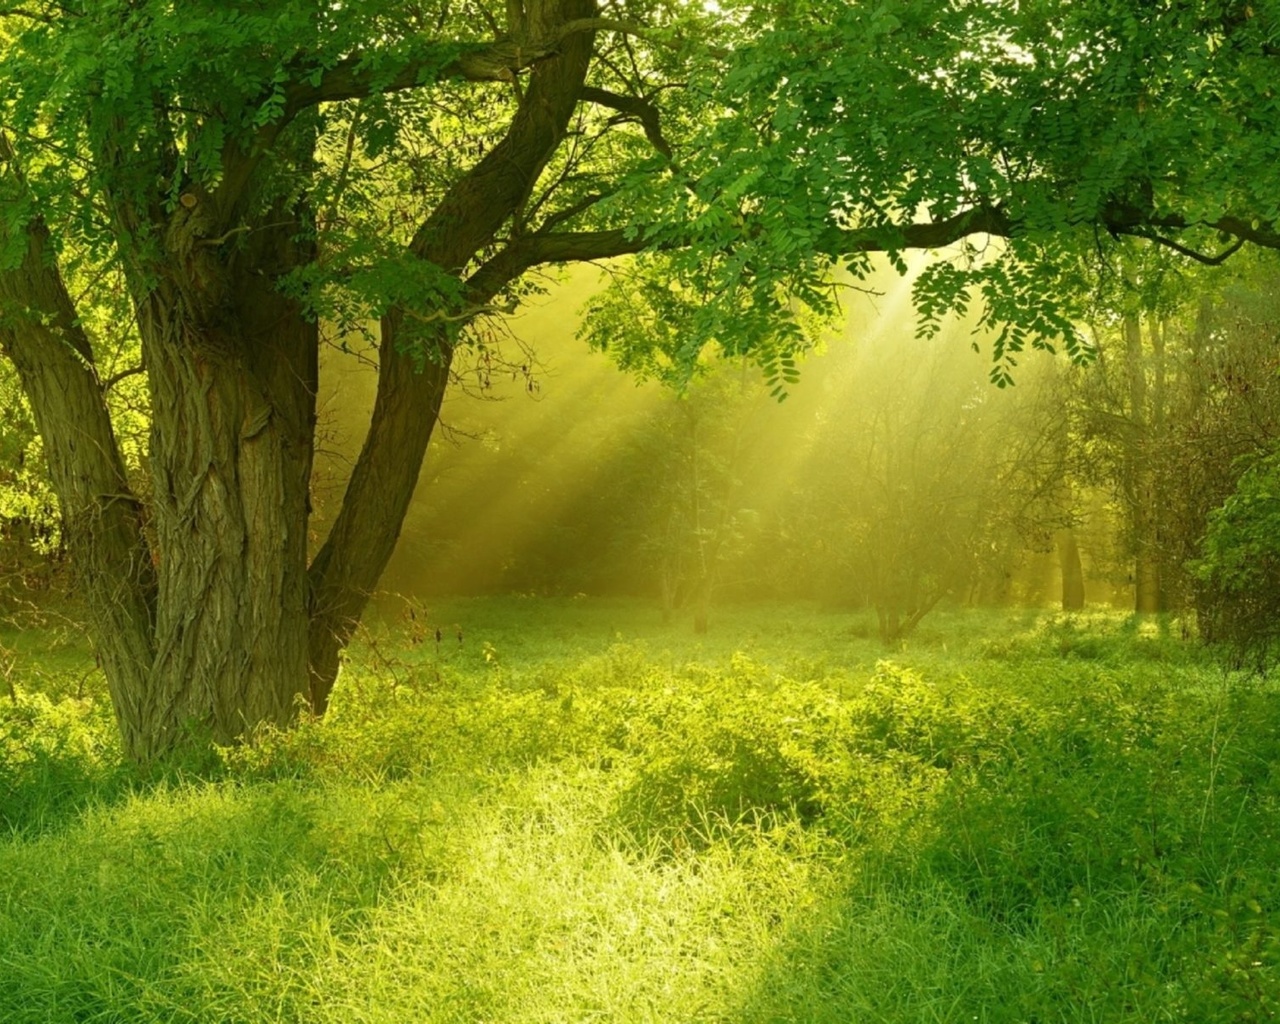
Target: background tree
{"points": [[1225, 417], [1178, 395], [927, 482], [1124, 402], [696, 454]]}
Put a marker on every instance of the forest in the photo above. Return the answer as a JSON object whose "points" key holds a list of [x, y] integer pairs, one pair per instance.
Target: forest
{"points": [[742, 511]]}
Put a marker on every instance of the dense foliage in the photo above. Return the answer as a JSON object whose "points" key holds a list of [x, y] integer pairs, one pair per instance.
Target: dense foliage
{"points": [[1063, 127]]}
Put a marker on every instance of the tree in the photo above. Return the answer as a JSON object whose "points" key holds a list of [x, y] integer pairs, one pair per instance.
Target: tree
{"points": [[203, 159], [927, 480], [1123, 404], [695, 449], [1179, 398], [233, 171]]}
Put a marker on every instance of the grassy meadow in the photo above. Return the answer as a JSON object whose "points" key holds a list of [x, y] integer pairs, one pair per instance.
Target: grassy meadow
{"points": [[566, 811]]}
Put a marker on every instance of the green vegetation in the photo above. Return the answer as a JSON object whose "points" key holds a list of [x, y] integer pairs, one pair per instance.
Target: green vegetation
{"points": [[241, 799], [1238, 570], [575, 813]]}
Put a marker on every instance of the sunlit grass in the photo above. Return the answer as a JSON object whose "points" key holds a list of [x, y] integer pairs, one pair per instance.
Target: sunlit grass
{"points": [[417, 901], [602, 819]]}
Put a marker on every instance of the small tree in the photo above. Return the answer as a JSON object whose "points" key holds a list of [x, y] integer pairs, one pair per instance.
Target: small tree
{"points": [[929, 479], [694, 514], [1179, 399]]}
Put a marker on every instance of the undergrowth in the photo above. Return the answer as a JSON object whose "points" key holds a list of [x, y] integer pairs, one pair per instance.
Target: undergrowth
{"points": [[1016, 819]]}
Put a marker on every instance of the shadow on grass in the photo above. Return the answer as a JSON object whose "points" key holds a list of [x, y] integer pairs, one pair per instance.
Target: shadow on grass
{"points": [[165, 906], [48, 792], [1129, 883], [61, 756]]}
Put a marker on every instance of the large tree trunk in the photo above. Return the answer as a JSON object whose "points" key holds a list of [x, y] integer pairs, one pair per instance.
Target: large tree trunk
{"points": [[232, 372], [205, 630]]}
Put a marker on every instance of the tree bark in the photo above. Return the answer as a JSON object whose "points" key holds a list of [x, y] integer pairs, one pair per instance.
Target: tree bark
{"points": [[40, 333], [231, 366]]}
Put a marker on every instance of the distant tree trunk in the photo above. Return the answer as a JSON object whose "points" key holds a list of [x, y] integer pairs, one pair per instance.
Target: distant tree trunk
{"points": [[1148, 593], [670, 564], [701, 604], [1072, 570], [701, 586], [899, 617], [889, 620], [1163, 587], [1141, 477]]}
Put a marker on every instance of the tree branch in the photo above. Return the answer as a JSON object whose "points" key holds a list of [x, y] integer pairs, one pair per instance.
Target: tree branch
{"points": [[499, 60], [22, 12], [980, 220], [543, 247], [47, 345], [1199, 257], [1129, 219], [635, 108], [116, 378], [571, 211]]}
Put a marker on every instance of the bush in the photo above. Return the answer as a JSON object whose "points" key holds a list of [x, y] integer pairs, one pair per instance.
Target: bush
{"points": [[1238, 574]]}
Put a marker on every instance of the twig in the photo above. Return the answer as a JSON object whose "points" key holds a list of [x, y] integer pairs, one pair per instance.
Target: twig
{"points": [[116, 378]]}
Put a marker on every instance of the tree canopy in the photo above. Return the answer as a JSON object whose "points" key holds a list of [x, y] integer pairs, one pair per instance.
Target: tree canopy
{"points": [[1062, 129]]}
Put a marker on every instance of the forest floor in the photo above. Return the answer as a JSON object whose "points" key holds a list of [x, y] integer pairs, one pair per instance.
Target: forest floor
{"points": [[576, 813]]}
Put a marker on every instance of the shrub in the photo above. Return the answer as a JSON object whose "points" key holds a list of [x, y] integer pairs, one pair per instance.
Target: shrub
{"points": [[1238, 573]]}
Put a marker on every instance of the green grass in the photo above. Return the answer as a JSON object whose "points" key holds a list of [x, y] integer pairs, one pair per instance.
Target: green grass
{"points": [[579, 814]]}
